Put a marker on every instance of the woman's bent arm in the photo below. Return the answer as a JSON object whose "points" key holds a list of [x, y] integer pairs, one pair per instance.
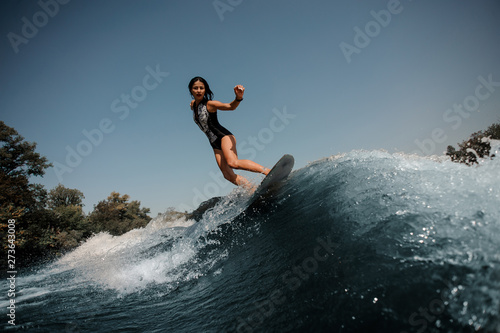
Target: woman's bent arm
{"points": [[213, 106]]}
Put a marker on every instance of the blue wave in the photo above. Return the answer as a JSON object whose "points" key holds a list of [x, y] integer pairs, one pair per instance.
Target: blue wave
{"points": [[365, 241]]}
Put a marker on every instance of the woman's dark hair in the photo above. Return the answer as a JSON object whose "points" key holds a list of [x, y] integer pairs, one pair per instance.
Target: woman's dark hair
{"points": [[209, 95]]}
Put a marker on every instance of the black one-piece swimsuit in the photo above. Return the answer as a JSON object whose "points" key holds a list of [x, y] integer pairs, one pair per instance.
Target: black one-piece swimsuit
{"points": [[208, 123]]}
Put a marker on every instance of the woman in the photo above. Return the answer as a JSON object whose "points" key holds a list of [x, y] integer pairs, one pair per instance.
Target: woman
{"points": [[221, 140]]}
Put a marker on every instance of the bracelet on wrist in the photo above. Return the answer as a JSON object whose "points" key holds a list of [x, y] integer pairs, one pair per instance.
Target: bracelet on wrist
{"points": [[238, 100]]}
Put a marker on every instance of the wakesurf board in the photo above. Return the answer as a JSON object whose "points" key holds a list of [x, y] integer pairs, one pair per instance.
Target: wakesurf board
{"points": [[274, 179]]}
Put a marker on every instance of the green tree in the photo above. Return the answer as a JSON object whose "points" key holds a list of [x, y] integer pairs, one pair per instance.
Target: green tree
{"points": [[18, 162], [477, 146], [66, 207], [19, 199], [117, 216], [61, 196], [69, 225], [493, 131]]}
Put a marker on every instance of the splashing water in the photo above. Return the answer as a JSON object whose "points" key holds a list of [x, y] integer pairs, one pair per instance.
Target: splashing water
{"points": [[363, 241]]}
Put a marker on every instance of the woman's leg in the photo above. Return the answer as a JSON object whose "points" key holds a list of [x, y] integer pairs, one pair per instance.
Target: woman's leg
{"points": [[228, 172], [228, 145]]}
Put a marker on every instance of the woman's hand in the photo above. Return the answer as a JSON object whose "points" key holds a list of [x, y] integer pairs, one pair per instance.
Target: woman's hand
{"points": [[192, 104], [239, 90]]}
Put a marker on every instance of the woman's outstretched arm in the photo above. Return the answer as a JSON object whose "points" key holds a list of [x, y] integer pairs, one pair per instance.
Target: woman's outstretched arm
{"points": [[213, 106]]}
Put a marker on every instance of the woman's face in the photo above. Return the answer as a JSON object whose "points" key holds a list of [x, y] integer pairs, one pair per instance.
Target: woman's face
{"points": [[198, 90]]}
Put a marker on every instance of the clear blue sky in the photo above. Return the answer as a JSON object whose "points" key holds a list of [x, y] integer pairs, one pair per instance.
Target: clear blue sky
{"points": [[321, 78]]}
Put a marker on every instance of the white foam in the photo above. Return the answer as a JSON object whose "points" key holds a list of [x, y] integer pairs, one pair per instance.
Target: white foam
{"points": [[163, 252]]}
